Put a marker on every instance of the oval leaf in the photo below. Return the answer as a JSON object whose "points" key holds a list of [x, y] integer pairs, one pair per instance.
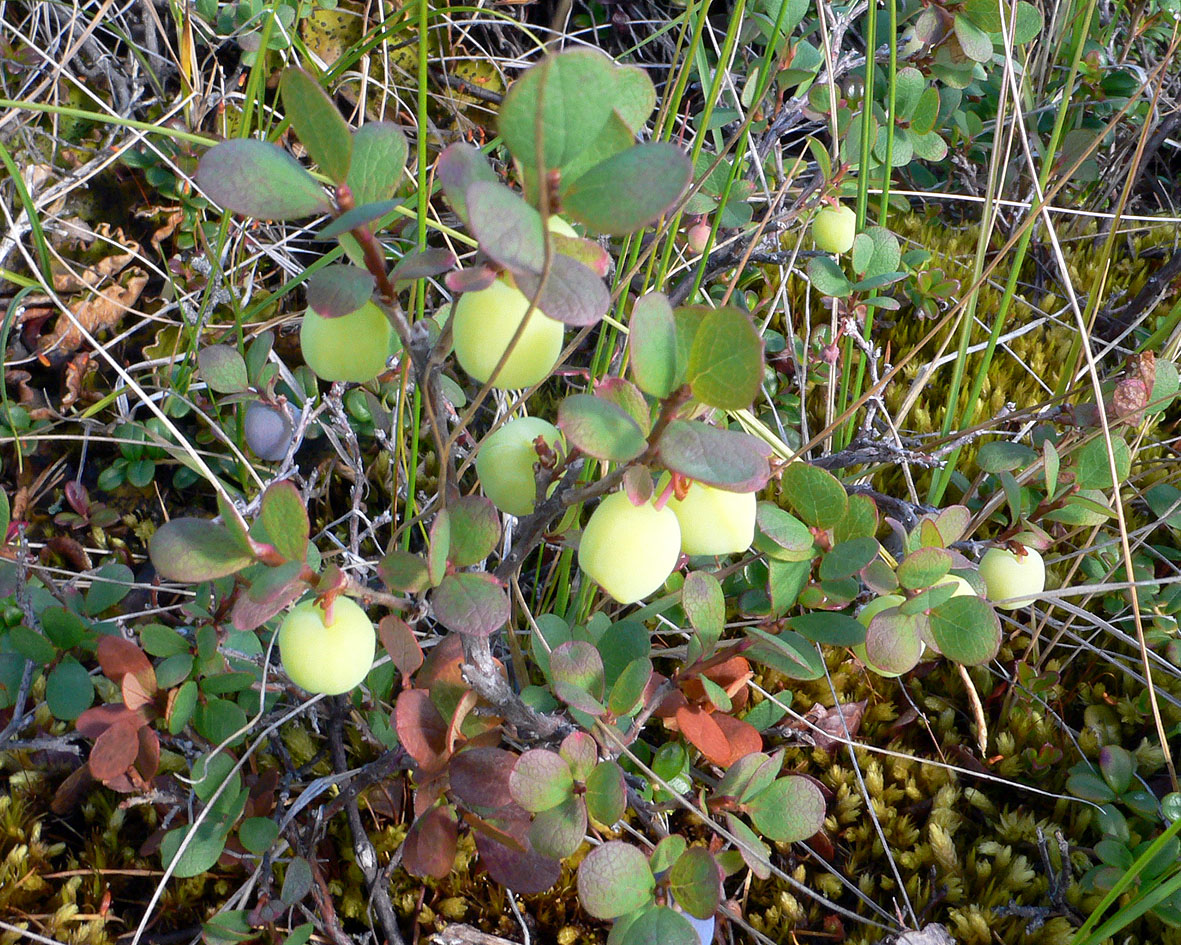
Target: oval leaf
{"points": [[259, 180], [508, 229], [614, 880], [966, 629], [606, 793], [195, 549], [559, 831], [471, 603], [540, 780], [572, 294], [816, 495], [600, 429], [724, 458], [695, 882], [320, 127], [653, 344], [379, 154], [726, 360], [628, 191], [791, 809], [223, 369], [285, 518], [336, 291]]}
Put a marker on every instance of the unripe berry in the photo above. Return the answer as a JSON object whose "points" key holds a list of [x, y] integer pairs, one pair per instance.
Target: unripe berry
{"points": [[505, 463], [629, 550], [1008, 575], [698, 237], [834, 228], [329, 658], [352, 348], [485, 323], [714, 521]]}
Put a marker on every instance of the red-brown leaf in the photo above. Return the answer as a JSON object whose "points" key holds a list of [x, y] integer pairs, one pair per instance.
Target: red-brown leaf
{"points": [[97, 719], [421, 728], [399, 641], [704, 733], [742, 737], [480, 776], [114, 750], [117, 657]]}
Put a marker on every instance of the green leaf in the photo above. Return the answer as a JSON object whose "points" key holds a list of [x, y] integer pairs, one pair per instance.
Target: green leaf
{"points": [[847, 558], [228, 928], [182, 707], [635, 96], [862, 253], [985, 14], [790, 810], [628, 688], [360, 215], [976, 44], [835, 629], [787, 652], [508, 229], [578, 664], [568, 98], [285, 518], [403, 571], [202, 852], [1004, 456], [886, 254], [1094, 471], [827, 277], [439, 547], [572, 292], [559, 831], [705, 605], [606, 793], [785, 580], [218, 720], [860, 519], [540, 780], [1029, 23], [614, 879], [159, 640], [725, 458], [893, 641], [379, 155], [816, 494], [628, 191], [258, 833], [109, 585], [223, 369], [966, 629], [924, 567], [320, 127], [471, 602], [1118, 766], [297, 882], [68, 690], [726, 360], [600, 429], [781, 535], [653, 344], [658, 925], [753, 850], [475, 530], [195, 549], [259, 180], [695, 884]]}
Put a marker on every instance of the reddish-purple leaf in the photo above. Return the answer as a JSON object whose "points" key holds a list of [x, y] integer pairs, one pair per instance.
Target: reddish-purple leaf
{"points": [[401, 644], [118, 657], [573, 293], [481, 776], [423, 265], [524, 871], [430, 844], [580, 751], [339, 290], [471, 603], [94, 721]]}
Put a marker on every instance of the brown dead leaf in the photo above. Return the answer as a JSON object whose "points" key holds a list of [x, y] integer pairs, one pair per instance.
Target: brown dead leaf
{"points": [[99, 312], [77, 371], [828, 721]]}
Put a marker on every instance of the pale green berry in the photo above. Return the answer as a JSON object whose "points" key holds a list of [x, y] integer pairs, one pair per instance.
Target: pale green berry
{"points": [[629, 550], [327, 658]]}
